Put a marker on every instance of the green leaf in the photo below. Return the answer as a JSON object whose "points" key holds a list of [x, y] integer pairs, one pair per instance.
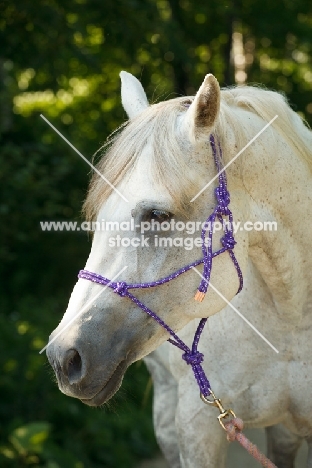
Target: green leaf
{"points": [[30, 438]]}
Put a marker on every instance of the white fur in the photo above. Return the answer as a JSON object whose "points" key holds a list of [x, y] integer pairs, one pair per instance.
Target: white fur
{"points": [[133, 96]]}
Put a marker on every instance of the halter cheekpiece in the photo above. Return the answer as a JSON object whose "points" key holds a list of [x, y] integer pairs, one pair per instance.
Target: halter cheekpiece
{"points": [[190, 355]]}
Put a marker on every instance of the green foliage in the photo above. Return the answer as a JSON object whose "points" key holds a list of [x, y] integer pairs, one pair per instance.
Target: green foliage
{"points": [[29, 439], [62, 59], [42, 427]]}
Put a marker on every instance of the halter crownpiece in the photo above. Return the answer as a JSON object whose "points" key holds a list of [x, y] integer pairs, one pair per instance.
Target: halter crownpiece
{"points": [[191, 355], [221, 210]]}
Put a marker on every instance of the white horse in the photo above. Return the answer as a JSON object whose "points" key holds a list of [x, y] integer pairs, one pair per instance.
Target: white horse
{"points": [[158, 162]]}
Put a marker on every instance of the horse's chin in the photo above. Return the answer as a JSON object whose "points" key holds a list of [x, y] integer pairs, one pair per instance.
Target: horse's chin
{"points": [[110, 387]]}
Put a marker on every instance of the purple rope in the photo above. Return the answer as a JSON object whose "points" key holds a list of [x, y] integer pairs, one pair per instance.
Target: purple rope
{"points": [[95, 278], [222, 210], [191, 356]]}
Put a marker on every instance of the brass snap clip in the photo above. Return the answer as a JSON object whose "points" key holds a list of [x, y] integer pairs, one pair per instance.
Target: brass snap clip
{"points": [[224, 413]]}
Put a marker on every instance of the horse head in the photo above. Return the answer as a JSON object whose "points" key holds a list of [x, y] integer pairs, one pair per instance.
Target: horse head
{"points": [[148, 225]]}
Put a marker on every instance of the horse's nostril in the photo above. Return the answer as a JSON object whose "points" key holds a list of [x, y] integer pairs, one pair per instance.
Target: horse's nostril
{"points": [[73, 366]]}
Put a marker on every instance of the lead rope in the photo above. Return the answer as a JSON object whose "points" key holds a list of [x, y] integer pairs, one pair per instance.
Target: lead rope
{"points": [[192, 356], [233, 429]]}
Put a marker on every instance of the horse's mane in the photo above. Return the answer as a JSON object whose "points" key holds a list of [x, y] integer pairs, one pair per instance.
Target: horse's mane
{"points": [[157, 125]]}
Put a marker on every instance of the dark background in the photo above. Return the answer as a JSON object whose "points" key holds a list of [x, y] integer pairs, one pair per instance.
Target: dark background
{"points": [[62, 59]]}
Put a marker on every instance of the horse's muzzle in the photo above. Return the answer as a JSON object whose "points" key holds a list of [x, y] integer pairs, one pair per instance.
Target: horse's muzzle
{"points": [[80, 377]]}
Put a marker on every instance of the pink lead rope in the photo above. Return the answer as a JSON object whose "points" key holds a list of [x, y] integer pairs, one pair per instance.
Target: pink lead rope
{"points": [[234, 432]]}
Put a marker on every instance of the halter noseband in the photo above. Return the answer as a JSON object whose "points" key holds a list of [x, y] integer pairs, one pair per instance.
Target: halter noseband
{"points": [[191, 355]]}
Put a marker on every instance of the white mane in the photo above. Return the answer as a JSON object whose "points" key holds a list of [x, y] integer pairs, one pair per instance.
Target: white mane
{"points": [[157, 124]]}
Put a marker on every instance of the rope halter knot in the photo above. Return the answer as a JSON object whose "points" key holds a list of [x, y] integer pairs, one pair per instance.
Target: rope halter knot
{"points": [[228, 241], [193, 359], [121, 289]]}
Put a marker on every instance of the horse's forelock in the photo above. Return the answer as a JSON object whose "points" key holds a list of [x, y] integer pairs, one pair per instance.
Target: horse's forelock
{"points": [[157, 126]]}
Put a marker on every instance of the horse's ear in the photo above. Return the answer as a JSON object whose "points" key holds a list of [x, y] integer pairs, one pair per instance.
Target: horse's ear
{"points": [[204, 110], [133, 96]]}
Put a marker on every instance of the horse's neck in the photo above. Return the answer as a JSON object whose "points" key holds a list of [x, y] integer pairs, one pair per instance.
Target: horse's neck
{"points": [[278, 184]]}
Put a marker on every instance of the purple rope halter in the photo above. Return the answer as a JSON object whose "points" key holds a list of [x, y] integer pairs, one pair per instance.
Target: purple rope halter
{"points": [[191, 355]]}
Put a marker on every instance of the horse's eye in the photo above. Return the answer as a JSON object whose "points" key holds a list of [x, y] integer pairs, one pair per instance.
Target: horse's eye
{"points": [[160, 215]]}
